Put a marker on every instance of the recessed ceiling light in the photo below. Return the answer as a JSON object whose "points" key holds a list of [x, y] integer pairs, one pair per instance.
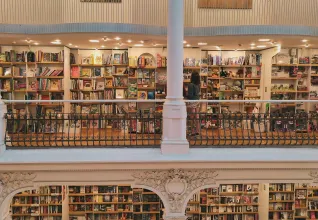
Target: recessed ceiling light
{"points": [[138, 45], [28, 41], [94, 41], [264, 40], [261, 46], [202, 44], [36, 43], [307, 45], [304, 40], [252, 44], [142, 41], [117, 38], [188, 45], [184, 42], [70, 44], [103, 46], [116, 48], [56, 42], [76, 46], [129, 41]]}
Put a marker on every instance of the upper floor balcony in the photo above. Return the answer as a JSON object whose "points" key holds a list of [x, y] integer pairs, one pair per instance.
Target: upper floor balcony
{"points": [[214, 125]]}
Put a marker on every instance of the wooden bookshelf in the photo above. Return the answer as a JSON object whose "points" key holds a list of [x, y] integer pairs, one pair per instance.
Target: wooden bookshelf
{"points": [[238, 200], [45, 201], [113, 201]]}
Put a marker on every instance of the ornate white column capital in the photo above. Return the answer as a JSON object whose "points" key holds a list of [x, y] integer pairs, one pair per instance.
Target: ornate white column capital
{"points": [[175, 186], [12, 181]]}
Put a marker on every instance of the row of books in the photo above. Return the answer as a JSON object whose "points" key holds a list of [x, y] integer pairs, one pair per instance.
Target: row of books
{"points": [[53, 96], [30, 56], [48, 72], [51, 84], [107, 59]]}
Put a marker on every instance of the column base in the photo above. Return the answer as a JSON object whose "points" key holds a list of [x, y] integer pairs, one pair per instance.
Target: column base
{"points": [[175, 147]]}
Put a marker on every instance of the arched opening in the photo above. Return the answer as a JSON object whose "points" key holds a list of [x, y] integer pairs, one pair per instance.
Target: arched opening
{"points": [[86, 202]]}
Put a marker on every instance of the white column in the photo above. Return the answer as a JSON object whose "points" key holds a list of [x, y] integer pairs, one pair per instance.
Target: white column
{"points": [[3, 126], [174, 111]]}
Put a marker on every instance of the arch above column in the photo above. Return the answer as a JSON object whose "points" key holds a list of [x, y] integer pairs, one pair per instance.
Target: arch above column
{"points": [[175, 186]]}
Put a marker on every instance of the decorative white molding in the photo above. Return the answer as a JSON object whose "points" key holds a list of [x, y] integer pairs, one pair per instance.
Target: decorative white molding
{"points": [[314, 176], [175, 185], [12, 181]]}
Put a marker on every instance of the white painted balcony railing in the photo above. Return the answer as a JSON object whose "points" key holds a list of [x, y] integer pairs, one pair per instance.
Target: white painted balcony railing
{"points": [[216, 123]]}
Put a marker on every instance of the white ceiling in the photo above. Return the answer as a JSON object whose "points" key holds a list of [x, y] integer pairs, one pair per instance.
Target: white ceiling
{"points": [[81, 40]]}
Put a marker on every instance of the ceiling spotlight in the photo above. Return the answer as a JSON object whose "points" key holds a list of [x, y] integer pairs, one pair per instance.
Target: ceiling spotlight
{"points": [[138, 45], [142, 41], [129, 41], [307, 45], [70, 44], [28, 41], [217, 47], [116, 48], [252, 44], [184, 42], [36, 43], [105, 39], [103, 46], [56, 42], [120, 44], [76, 46], [304, 40], [202, 44], [117, 38], [188, 45], [94, 41], [264, 40], [261, 46]]}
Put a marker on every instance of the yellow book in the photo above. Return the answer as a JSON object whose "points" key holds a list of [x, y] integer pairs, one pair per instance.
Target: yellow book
{"points": [[1, 71]]}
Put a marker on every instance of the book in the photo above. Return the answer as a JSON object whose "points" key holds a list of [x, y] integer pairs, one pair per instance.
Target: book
{"points": [[75, 72], [100, 85], [86, 72], [142, 95], [120, 93]]}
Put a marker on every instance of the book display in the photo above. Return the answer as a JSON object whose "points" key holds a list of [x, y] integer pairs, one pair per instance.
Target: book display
{"points": [[35, 73], [233, 201], [113, 202], [227, 75], [43, 203]]}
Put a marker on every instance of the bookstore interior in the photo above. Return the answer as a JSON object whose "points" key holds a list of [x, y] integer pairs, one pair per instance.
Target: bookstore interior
{"points": [[65, 71], [247, 201], [139, 72]]}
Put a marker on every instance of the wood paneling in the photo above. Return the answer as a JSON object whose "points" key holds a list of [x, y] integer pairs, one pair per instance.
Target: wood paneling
{"points": [[226, 4]]}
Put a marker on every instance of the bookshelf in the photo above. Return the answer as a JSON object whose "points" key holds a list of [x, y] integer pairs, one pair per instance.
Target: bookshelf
{"points": [[226, 75], [35, 73], [43, 203], [230, 201], [113, 202]]}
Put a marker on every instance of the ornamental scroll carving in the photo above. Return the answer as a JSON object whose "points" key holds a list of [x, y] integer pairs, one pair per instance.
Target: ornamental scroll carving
{"points": [[314, 175], [9, 182], [175, 184]]}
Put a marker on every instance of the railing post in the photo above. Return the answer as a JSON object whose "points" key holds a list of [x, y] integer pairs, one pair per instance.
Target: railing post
{"points": [[174, 139], [3, 126]]}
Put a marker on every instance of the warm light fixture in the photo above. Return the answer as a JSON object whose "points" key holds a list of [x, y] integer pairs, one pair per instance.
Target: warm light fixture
{"points": [[264, 40], [184, 42], [154, 44], [202, 44], [56, 42], [142, 41], [117, 38], [304, 40], [120, 44], [116, 48], [307, 45], [14, 42], [218, 47], [138, 45], [103, 46], [261, 46], [36, 43], [76, 46], [129, 41], [252, 48], [188, 45], [252, 44], [28, 41], [70, 44], [94, 41]]}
